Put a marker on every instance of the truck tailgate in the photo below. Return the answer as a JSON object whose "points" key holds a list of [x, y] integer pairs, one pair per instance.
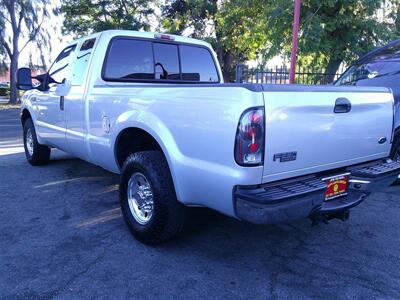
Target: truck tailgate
{"points": [[304, 135]]}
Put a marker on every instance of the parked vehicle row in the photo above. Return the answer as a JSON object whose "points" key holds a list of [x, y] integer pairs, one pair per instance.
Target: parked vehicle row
{"points": [[154, 108], [4, 89]]}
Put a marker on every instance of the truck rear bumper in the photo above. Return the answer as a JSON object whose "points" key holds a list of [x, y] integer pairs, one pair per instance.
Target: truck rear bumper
{"points": [[303, 197]]}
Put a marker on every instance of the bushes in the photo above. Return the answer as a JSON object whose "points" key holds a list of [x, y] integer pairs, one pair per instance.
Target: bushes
{"points": [[4, 91]]}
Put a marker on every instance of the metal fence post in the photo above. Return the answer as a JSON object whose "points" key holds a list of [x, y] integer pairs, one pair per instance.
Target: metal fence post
{"points": [[239, 73]]}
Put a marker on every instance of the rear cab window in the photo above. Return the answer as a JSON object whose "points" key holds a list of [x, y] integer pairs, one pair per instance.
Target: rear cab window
{"points": [[197, 65], [141, 60], [166, 61]]}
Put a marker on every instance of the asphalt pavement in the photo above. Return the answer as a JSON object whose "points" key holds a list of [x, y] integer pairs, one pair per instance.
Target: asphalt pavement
{"points": [[62, 236]]}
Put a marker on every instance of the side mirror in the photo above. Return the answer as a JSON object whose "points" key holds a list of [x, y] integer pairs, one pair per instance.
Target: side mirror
{"points": [[24, 79]]}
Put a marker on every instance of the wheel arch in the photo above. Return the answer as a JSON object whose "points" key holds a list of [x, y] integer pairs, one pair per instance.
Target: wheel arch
{"points": [[125, 145], [25, 114], [396, 141], [131, 140]]}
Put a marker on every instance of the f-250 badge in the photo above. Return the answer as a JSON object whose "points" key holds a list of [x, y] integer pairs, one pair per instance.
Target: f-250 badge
{"points": [[286, 156]]}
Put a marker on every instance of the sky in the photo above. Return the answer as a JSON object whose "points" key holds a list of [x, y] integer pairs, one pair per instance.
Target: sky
{"points": [[58, 43], [53, 25]]}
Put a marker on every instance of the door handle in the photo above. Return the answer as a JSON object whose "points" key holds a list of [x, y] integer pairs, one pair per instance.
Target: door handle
{"points": [[61, 102], [342, 105]]}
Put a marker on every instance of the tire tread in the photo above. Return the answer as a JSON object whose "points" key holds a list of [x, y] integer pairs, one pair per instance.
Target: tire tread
{"points": [[169, 212], [41, 153]]}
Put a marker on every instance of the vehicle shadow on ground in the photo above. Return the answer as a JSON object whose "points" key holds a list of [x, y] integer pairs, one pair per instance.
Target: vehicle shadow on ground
{"points": [[72, 216], [104, 187]]}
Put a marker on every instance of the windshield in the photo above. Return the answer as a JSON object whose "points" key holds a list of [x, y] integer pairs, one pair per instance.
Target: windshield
{"points": [[367, 71]]}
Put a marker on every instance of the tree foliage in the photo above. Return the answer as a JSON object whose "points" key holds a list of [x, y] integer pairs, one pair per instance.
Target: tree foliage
{"points": [[236, 28], [341, 31], [25, 18], [87, 16], [333, 31]]}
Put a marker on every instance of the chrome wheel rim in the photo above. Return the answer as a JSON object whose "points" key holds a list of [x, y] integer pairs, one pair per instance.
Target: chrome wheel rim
{"points": [[29, 141], [140, 198]]}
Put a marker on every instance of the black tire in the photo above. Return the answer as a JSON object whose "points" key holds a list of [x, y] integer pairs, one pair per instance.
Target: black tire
{"points": [[167, 218], [40, 154], [395, 153]]}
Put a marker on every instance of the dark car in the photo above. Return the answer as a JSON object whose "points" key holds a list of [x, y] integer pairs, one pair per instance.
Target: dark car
{"points": [[380, 67]]}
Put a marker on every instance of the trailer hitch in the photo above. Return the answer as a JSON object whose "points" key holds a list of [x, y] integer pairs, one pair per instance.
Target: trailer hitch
{"points": [[317, 218]]}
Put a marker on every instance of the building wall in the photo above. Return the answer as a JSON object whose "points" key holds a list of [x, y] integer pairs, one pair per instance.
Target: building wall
{"points": [[5, 76]]}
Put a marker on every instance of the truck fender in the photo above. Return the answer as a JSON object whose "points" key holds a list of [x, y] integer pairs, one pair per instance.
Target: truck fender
{"points": [[152, 125], [27, 108]]}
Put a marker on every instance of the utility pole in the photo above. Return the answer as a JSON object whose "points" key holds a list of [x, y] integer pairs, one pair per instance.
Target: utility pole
{"points": [[295, 41]]}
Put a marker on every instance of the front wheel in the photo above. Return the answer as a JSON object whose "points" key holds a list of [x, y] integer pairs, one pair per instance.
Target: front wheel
{"points": [[35, 153], [148, 199]]}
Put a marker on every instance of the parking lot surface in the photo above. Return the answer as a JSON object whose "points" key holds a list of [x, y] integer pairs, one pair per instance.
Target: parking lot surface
{"points": [[62, 236]]}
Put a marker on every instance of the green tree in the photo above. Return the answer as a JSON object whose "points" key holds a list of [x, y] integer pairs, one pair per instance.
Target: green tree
{"points": [[236, 28], [88, 16], [393, 15], [332, 31], [25, 18], [341, 31]]}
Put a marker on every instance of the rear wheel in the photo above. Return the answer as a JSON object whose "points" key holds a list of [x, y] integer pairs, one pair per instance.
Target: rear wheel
{"points": [[148, 199], [396, 151], [35, 153], [395, 154]]}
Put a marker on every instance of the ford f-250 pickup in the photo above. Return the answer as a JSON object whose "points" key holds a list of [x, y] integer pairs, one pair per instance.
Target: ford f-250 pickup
{"points": [[154, 108]]}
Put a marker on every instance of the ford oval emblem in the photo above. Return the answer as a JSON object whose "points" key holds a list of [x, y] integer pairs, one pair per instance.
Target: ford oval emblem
{"points": [[382, 140]]}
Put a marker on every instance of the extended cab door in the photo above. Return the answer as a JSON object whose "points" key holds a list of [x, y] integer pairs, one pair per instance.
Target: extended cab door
{"points": [[75, 101], [51, 121]]}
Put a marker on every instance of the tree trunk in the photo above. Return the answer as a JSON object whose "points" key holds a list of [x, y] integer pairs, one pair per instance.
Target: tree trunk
{"points": [[13, 79], [228, 68], [13, 70], [331, 69], [14, 55]]}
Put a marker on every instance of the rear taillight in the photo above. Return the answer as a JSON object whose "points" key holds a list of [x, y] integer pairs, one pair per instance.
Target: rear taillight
{"points": [[249, 145]]}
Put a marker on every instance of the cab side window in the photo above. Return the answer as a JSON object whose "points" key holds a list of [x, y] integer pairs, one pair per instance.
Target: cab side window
{"points": [[136, 60], [60, 68], [82, 62], [129, 59]]}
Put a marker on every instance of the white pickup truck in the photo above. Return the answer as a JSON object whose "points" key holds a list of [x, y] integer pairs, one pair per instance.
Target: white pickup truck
{"points": [[154, 108]]}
